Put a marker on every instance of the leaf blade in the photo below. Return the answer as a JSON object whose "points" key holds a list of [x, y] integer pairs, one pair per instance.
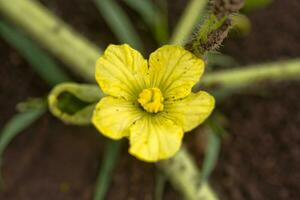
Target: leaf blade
{"points": [[153, 17], [110, 158], [15, 126], [43, 64], [119, 22]]}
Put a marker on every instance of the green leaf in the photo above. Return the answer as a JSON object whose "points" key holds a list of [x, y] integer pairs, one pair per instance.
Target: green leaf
{"points": [[191, 16], [144, 7], [44, 65], [160, 184], [74, 103], [119, 22], [16, 125], [153, 17], [111, 155], [31, 103], [214, 130]]}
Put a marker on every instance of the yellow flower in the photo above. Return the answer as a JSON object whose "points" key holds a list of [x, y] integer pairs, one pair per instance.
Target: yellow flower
{"points": [[150, 102]]}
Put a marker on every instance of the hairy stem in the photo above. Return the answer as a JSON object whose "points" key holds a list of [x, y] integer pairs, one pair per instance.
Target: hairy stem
{"points": [[215, 27], [53, 34], [181, 169]]}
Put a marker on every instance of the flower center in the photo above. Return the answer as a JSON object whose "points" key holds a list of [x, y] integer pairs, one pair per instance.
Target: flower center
{"points": [[151, 99]]}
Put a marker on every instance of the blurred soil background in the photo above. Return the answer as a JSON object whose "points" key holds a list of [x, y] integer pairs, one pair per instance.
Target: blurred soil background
{"points": [[260, 158]]}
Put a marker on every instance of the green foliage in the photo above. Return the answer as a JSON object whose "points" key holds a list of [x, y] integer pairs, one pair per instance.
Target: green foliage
{"points": [[232, 78], [214, 130], [31, 103], [74, 103], [188, 21], [153, 17], [184, 175], [16, 125], [160, 183], [44, 65], [119, 23], [70, 104], [109, 160], [211, 24], [201, 42]]}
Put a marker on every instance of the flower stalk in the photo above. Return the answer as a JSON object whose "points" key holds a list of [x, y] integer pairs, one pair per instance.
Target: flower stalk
{"points": [[53, 34], [215, 27]]}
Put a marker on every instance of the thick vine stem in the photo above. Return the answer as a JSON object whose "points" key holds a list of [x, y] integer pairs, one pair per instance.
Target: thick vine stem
{"points": [[53, 34], [185, 177], [215, 27], [223, 8], [274, 71]]}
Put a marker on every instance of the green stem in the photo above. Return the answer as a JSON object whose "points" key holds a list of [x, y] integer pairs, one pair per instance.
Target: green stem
{"points": [[111, 155], [160, 184], [39, 60], [185, 177], [15, 126], [191, 15], [275, 71], [210, 35], [52, 33]]}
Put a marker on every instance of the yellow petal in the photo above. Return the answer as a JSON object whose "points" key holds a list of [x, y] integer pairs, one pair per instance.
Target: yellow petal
{"points": [[113, 117], [121, 71], [154, 138], [190, 111], [174, 70]]}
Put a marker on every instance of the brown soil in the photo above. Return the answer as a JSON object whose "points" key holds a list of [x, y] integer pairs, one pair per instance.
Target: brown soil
{"points": [[260, 159]]}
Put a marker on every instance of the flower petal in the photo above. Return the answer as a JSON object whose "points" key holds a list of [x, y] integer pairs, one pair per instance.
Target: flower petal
{"points": [[121, 71], [113, 117], [190, 111], [154, 138], [174, 70]]}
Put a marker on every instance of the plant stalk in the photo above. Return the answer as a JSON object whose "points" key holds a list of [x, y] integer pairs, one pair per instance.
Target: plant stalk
{"points": [[53, 34], [110, 158], [274, 71], [185, 176]]}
